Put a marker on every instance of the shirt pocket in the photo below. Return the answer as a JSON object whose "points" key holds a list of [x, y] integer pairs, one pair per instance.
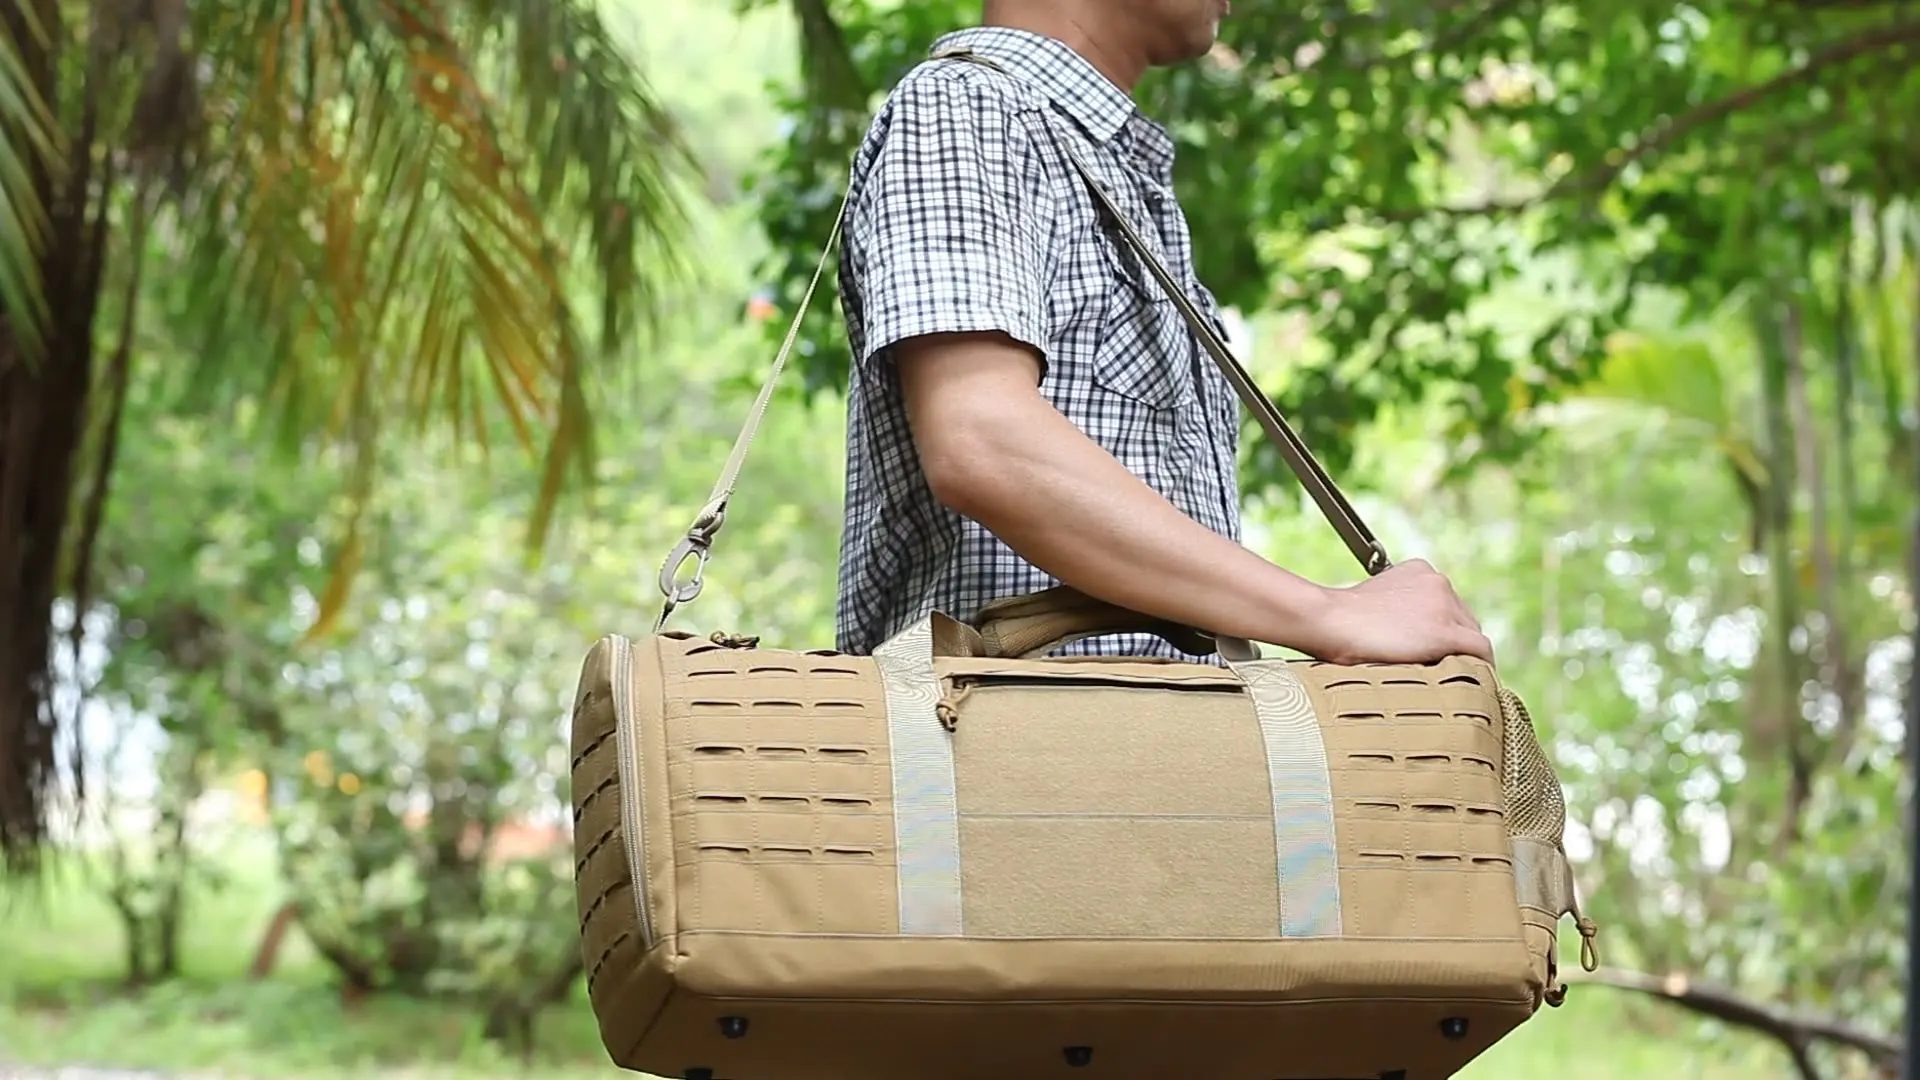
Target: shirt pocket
{"points": [[1146, 352]]}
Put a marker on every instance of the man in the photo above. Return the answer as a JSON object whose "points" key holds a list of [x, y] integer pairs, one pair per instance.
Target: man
{"points": [[1026, 407]]}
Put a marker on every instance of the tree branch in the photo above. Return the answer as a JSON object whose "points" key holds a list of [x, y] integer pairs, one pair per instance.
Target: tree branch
{"points": [[1797, 1031], [1661, 136]]}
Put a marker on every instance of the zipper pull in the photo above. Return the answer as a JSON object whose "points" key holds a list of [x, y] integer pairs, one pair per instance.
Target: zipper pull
{"points": [[948, 707], [1589, 952]]}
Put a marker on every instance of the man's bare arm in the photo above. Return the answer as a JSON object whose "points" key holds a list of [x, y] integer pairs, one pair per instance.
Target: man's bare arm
{"points": [[995, 450]]}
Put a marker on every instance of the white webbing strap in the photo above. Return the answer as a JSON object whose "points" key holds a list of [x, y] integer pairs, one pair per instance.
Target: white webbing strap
{"points": [[697, 544]]}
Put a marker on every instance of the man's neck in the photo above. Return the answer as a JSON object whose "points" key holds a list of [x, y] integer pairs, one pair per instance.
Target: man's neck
{"points": [[1101, 39]]}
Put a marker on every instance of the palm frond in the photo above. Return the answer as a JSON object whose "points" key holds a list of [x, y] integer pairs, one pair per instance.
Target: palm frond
{"points": [[29, 146], [400, 201]]}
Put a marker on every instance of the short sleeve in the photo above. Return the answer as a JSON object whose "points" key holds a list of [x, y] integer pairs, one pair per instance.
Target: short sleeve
{"points": [[948, 234]]}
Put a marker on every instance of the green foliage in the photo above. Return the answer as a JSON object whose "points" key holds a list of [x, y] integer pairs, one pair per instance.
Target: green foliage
{"points": [[362, 215], [412, 752], [1382, 168], [1724, 698]]}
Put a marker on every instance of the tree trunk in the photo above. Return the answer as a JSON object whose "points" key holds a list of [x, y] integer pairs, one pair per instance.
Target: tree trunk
{"points": [[1851, 689], [44, 396], [1773, 325], [1812, 477], [267, 954]]}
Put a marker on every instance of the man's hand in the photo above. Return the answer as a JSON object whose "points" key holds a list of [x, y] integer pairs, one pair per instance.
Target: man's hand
{"points": [[1408, 614]]}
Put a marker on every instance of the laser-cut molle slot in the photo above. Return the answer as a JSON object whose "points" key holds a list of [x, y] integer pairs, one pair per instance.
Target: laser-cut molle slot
{"points": [[1439, 858], [1493, 812], [1424, 716], [787, 852], [773, 669], [1435, 808], [1477, 760], [782, 752], [1493, 862], [832, 671], [730, 706], [1382, 857], [708, 707], [1429, 761], [788, 803], [1338, 684], [709, 673], [1372, 758], [1461, 679], [1363, 717], [706, 648], [777, 705], [1368, 804], [1422, 683]]}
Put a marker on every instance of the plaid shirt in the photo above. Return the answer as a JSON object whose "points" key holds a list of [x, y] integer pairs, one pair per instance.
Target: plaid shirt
{"points": [[963, 216]]}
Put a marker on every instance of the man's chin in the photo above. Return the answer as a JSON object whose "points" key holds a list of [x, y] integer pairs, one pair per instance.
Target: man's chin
{"points": [[1200, 45]]}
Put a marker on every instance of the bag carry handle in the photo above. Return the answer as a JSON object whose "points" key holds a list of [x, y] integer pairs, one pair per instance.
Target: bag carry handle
{"points": [[1035, 624], [697, 545]]}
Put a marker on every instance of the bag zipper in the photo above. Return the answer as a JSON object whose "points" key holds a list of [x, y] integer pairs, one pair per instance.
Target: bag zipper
{"points": [[970, 680], [632, 790], [958, 685]]}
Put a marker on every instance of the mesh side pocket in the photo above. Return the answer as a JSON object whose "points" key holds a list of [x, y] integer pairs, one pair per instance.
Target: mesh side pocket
{"points": [[1535, 806], [1537, 821]]}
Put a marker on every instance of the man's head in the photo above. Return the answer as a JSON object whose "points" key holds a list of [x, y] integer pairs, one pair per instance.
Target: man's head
{"points": [[1122, 37]]}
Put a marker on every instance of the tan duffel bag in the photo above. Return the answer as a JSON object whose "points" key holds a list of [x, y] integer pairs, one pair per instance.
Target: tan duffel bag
{"points": [[954, 860]]}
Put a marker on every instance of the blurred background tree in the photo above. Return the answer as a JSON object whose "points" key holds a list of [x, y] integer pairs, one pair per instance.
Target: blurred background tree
{"points": [[357, 214], [1611, 311]]}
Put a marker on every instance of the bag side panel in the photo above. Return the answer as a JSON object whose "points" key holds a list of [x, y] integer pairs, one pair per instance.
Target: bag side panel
{"points": [[779, 792], [650, 695], [1418, 759], [626, 980], [1418, 800]]}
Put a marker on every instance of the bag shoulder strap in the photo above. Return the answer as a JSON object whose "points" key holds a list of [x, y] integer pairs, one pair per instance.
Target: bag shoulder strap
{"points": [[1366, 548], [697, 545]]}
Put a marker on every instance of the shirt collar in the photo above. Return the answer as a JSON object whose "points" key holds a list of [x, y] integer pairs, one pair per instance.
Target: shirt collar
{"points": [[1065, 77]]}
